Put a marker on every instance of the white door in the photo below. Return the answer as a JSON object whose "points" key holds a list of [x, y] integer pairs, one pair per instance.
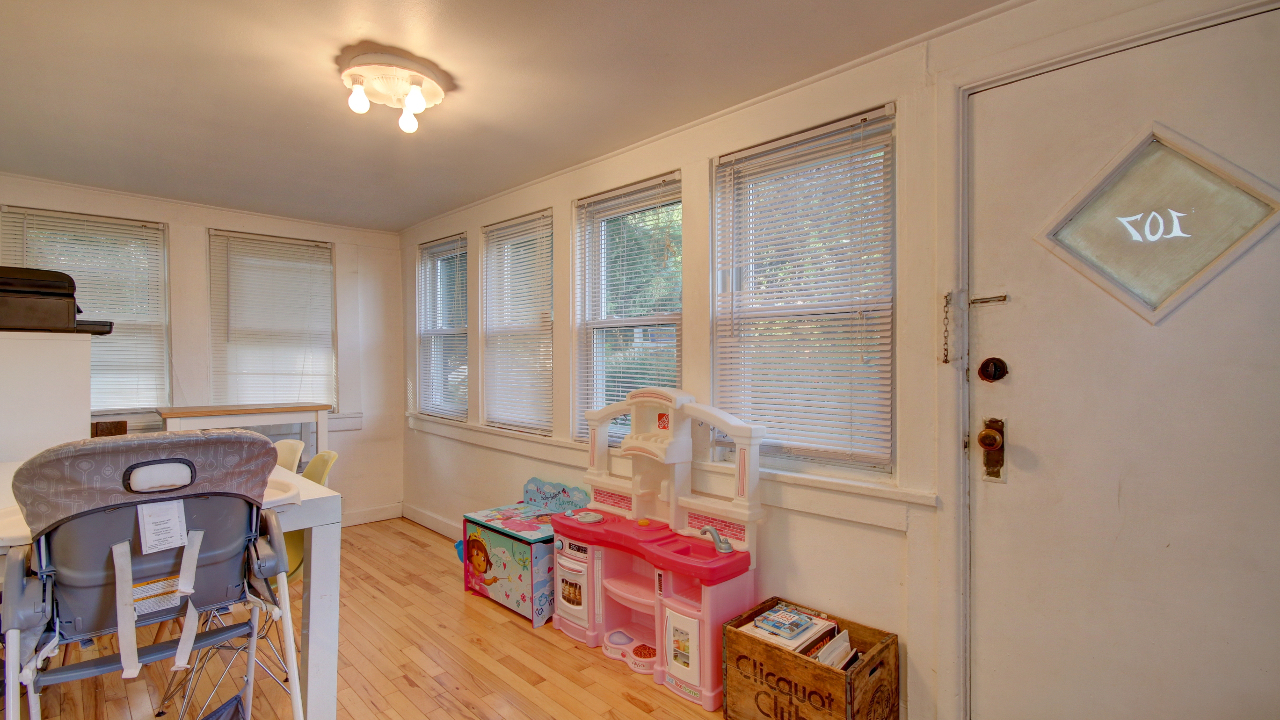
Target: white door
{"points": [[1128, 564]]}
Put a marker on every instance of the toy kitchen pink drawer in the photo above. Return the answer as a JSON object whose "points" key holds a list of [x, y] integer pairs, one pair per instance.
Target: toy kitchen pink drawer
{"points": [[649, 571]]}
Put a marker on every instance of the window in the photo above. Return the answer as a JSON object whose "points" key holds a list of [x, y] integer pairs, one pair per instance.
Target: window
{"points": [[517, 324], [271, 302], [120, 274], [442, 328], [629, 263], [804, 292]]}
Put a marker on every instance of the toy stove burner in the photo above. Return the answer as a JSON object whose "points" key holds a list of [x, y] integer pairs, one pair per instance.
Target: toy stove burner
{"points": [[589, 517]]}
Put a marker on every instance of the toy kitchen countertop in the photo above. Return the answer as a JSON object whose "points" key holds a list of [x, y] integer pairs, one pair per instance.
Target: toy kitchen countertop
{"points": [[657, 544]]}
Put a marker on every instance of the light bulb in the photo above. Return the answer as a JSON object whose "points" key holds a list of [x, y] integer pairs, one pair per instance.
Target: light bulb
{"points": [[415, 103], [358, 102], [408, 122]]}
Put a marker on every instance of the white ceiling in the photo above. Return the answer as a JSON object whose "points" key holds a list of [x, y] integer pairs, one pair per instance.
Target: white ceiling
{"points": [[238, 104]]}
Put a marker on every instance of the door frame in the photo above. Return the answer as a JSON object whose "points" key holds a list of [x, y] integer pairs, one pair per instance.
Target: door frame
{"points": [[954, 87]]}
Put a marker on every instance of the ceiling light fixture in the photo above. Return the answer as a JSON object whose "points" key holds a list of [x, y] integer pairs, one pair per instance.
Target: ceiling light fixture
{"points": [[393, 81]]}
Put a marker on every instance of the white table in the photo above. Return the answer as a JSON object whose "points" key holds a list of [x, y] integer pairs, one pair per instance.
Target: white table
{"points": [[319, 515], [208, 417]]}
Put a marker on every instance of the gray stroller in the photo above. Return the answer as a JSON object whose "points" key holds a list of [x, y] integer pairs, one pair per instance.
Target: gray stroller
{"points": [[134, 530]]}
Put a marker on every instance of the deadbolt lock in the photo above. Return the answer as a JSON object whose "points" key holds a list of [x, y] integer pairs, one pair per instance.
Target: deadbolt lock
{"points": [[993, 369], [991, 440]]}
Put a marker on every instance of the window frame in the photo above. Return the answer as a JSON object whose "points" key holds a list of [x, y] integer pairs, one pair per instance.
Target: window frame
{"points": [[450, 246], [495, 237], [164, 294], [780, 455], [333, 315], [588, 392]]}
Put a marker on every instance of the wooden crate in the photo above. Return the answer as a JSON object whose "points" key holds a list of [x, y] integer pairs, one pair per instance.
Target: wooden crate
{"points": [[765, 682], [108, 428]]}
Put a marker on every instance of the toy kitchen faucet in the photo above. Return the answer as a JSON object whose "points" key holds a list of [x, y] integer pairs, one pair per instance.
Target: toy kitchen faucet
{"points": [[634, 570]]}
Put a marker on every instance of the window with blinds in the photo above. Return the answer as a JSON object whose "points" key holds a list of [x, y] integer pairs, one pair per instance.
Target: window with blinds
{"points": [[119, 267], [272, 312], [442, 328], [804, 292], [517, 324], [629, 290]]}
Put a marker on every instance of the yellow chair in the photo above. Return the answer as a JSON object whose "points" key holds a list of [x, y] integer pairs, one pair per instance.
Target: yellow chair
{"points": [[288, 453], [317, 471]]}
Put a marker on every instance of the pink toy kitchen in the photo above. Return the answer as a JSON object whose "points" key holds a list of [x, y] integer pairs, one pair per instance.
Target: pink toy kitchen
{"points": [[650, 569]]}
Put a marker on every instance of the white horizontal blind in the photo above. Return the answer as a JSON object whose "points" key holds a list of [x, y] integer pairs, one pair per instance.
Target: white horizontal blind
{"points": [[271, 302], [517, 324], [120, 274], [442, 328], [804, 297], [629, 296]]}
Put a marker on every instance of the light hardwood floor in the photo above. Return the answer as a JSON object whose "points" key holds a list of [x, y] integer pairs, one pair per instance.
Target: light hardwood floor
{"points": [[415, 645]]}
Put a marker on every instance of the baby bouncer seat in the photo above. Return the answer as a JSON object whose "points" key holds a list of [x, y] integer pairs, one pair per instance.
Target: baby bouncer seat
{"points": [[134, 530]]}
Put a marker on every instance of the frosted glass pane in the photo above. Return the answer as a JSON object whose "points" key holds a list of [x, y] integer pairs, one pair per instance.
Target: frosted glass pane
{"points": [[1161, 221]]}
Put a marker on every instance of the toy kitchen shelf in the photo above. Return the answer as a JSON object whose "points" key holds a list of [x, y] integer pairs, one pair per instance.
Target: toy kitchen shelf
{"points": [[634, 572]]}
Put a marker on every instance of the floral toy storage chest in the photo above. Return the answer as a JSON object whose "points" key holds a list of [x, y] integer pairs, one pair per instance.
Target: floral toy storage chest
{"points": [[507, 552]]}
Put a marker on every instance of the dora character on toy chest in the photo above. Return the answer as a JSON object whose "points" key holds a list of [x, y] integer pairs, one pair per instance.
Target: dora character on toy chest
{"points": [[478, 565]]}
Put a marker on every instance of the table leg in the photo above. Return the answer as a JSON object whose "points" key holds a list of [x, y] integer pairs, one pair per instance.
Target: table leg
{"points": [[322, 431], [320, 588]]}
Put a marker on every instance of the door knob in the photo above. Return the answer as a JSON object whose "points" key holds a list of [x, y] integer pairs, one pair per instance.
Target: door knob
{"points": [[991, 440]]}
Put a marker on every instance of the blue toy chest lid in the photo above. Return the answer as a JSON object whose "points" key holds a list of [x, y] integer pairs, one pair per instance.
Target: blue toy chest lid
{"points": [[531, 520]]}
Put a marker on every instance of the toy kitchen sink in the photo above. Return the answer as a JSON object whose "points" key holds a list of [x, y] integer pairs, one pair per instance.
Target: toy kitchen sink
{"points": [[635, 573]]}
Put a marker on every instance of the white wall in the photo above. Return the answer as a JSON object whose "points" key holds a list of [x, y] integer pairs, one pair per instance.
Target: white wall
{"points": [[887, 550], [370, 343], [838, 542]]}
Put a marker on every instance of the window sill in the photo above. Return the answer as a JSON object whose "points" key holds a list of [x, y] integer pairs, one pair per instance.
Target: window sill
{"points": [[537, 447], [572, 453], [341, 422], [856, 487]]}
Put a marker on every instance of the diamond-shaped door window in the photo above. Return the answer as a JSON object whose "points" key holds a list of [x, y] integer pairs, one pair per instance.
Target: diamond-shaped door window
{"points": [[1161, 221]]}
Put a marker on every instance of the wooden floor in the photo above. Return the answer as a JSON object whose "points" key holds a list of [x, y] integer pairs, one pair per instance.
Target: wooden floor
{"points": [[415, 645]]}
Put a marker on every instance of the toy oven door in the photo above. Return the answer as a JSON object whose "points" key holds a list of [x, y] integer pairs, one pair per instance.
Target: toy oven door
{"points": [[571, 598]]}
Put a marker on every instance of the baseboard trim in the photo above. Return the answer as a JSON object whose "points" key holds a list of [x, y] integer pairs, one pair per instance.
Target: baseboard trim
{"points": [[374, 514], [447, 527]]}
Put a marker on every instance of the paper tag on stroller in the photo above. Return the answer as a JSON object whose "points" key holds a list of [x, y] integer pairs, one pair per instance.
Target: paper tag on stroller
{"points": [[154, 595], [162, 526]]}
